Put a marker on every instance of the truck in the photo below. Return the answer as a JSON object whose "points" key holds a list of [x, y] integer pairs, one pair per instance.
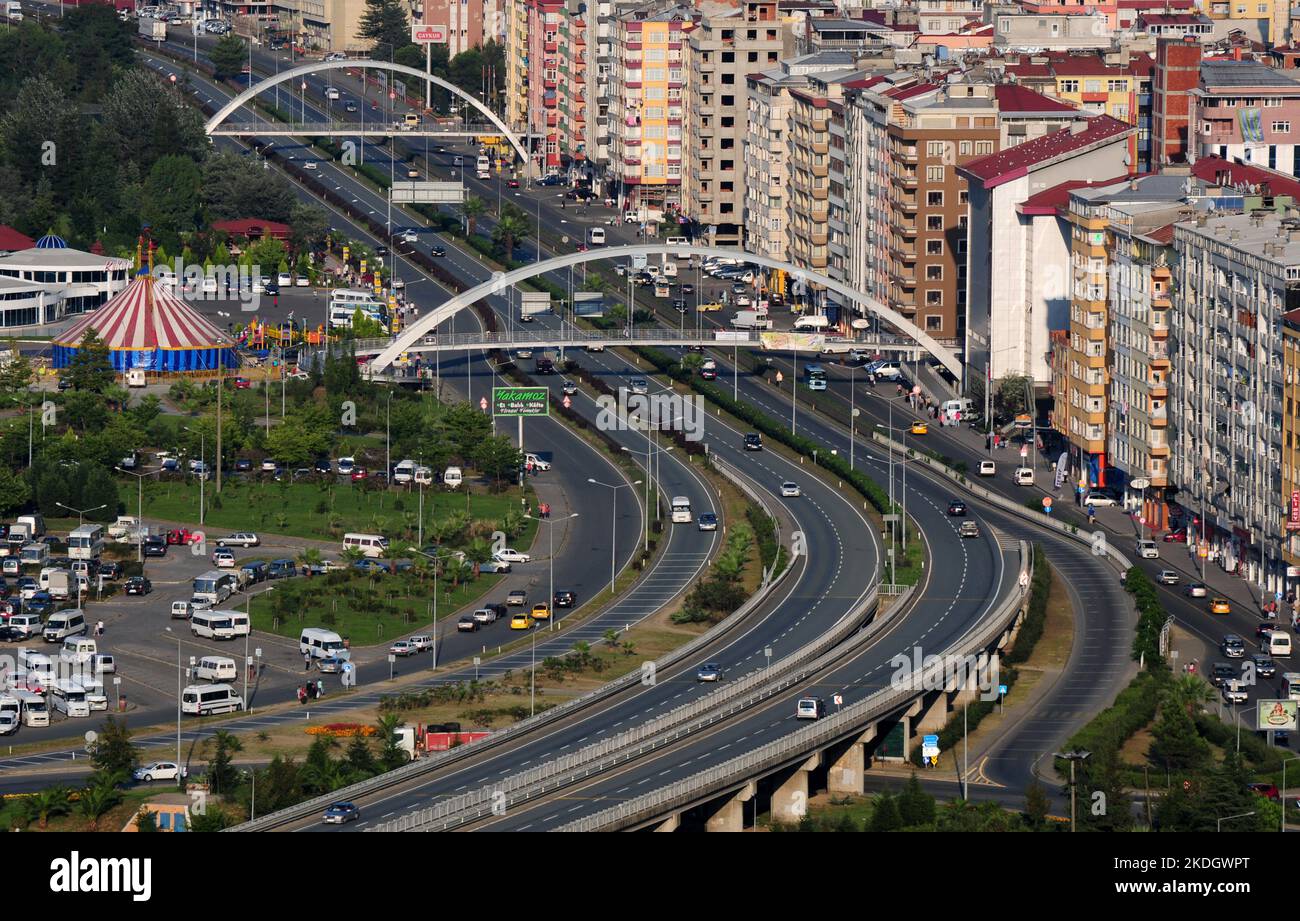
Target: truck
{"points": [[14, 10], [750, 319], [155, 30], [532, 303], [126, 528]]}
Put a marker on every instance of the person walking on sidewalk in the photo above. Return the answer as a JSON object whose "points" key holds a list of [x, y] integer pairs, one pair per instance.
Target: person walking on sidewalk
{"points": [[1092, 513]]}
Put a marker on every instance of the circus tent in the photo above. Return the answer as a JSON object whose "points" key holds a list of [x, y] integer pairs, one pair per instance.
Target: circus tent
{"points": [[148, 327]]}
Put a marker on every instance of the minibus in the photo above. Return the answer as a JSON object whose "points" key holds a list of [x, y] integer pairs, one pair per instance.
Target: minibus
{"points": [[216, 668], [86, 542], [214, 625], [371, 545], [681, 508], [202, 699]]}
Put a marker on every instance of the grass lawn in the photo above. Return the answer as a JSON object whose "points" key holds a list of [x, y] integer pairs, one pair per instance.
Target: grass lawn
{"points": [[323, 511], [365, 609]]}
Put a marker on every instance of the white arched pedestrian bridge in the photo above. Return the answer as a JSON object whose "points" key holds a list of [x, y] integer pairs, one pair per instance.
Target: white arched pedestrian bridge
{"points": [[410, 338], [215, 123]]}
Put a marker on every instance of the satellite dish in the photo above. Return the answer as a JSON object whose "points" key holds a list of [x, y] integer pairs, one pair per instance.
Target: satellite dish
{"points": [[860, 323]]}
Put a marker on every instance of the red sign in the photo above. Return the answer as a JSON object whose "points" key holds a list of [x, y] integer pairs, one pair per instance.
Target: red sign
{"points": [[429, 35], [482, 403], [1047, 501], [567, 402], [1293, 523]]}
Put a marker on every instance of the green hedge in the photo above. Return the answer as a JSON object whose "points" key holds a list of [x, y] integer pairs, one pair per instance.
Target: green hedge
{"points": [[1134, 708], [1031, 631], [764, 534], [1151, 618]]}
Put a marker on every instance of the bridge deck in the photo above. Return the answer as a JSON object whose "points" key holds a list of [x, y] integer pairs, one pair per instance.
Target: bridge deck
{"points": [[370, 127]]}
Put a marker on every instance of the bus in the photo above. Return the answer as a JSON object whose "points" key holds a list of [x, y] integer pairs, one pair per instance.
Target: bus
{"points": [[814, 376], [681, 509], [86, 542]]}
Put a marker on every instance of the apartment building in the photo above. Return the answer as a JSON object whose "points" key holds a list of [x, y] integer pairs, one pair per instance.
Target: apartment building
{"points": [[1248, 111], [1177, 73], [1018, 31], [1018, 257], [547, 33], [469, 22], [1235, 277], [1290, 498], [723, 50], [647, 110], [577, 113], [515, 113]]}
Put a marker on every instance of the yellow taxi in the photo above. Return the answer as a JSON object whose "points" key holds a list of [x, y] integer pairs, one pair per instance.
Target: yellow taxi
{"points": [[520, 621], [541, 611], [1220, 606], [920, 428], [709, 307]]}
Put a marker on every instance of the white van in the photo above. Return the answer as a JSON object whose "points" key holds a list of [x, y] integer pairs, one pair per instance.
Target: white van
{"points": [[1024, 476], [404, 472], [596, 236], [35, 555], [423, 476], [669, 269], [35, 711], [952, 407], [331, 92], [321, 644], [239, 623], [373, 546], [681, 507], [216, 668], [1277, 644], [678, 241], [35, 670], [29, 624], [78, 649], [214, 625], [811, 322], [452, 478], [69, 697], [64, 624], [202, 699]]}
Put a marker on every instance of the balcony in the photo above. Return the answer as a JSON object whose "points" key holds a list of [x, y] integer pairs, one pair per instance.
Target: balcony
{"points": [[906, 203], [1158, 388], [1158, 352], [898, 225], [1159, 417], [900, 250], [905, 154], [903, 274]]}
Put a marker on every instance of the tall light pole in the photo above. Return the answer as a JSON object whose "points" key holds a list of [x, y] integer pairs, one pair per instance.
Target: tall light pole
{"points": [[613, 523], [139, 509], [652, 451], [550, 532], [1218, 826], [178, 694], [435, 557], [81, 513], [203, 472], [1072, 757]]}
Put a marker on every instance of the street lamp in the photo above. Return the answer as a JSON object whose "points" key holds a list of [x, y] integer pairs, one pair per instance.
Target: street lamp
{"points": [[1237, 712], [1072, 757], [1240, 815], [551, 543], [178, 693], [652, 450], [613, 523], [139, 511], [81, 513], [203, 472], [435, 557]]}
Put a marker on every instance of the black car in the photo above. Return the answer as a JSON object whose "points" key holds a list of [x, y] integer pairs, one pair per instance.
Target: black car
{"points": [[550, 180], [437, 251], [64, 384], [688, 288], [273, 288], [565, 599], [957, 508], [155, 545], [1221, 672], [110, 570], [381, 250], [138, 585], [11, 635], [243, 465], [545, 366], [1264, 666], [679, 305], [323, 465], [753, 442]]}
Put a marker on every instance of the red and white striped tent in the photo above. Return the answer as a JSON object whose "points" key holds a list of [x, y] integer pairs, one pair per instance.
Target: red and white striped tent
{"points": [[146, 326]]}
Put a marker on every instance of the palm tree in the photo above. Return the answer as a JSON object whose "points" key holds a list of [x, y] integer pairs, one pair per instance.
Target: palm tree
{"points": [[473, 207], [49, 802], [118, 396], [1190, 692], [310, 556], [94, 801], [324, 778], [511, 227]]}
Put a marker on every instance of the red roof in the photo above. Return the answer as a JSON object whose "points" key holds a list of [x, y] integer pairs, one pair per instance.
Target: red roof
{"points": [[1015, 162], [1156, 4], [1050, 201], [13, 241], [1163, 235], [251, 227], [1014, 98], [1224, 172], [907, 92], [1174, 19]]}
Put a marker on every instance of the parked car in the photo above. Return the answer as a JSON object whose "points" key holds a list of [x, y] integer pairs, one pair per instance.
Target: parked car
{"points": [[239, 539], [159, 770], [138, 585], [1098, 500], [223, 558]]}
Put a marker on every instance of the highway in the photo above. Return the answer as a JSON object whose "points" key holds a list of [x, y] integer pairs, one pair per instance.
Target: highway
{"points": [[934, 616]]}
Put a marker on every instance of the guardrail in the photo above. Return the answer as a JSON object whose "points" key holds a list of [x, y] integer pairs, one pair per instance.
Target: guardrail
{"points": [[715, 707], [799, 743], [476, 748], [1009, 505]]}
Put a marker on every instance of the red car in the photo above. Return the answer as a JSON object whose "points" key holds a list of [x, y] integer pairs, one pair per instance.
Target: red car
{"points": [[1176, 537], [358, 474], [512, 184], [242, 383], [1266, 790], [181, 536]]}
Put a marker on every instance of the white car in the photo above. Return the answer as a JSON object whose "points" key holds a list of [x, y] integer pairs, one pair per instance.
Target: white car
{"points": [[537, 462], [302, 281], [310, 164], [511, 556], [410, 236], [240, 539], [988, 468], [159, 770], [8, 723], [1098, 500], [284, 280], [347, 465], [1234, 692], [269, 465], [524, 353], [639, 385], [223, 558], [403, 648], [790, 490]]}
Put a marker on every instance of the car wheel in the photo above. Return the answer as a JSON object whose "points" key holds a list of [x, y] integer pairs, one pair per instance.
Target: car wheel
{"points": [[148, 778]]}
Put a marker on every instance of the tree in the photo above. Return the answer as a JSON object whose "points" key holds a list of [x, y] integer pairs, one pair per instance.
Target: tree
{"points": [[211, 820], [171, 196], [391, 755], [384, 22], [114, 754], [512, 227], [222, 775], [1175, 744], [47, 803], [228, 56], [99, 493], [360, 759], [1037, 804], [94, 801], [91, 368], [497, 457], [16, 374], [14, 491], [915, 806], [473, 208], [466, 428], [310, 225], [146, 821], [884, 814]]}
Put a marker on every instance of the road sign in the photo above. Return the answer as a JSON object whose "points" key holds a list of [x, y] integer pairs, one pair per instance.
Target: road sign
{"points": [[1024, 450], [1047, 501], [1140, 483], [428, 35], [1002, 690], [483, 403], [566, 401], [520, 401], [930, 746]]}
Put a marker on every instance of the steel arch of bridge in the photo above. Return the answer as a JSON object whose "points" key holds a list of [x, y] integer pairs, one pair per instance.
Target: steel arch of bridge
{"points": [[500, 281], [304, 69]]}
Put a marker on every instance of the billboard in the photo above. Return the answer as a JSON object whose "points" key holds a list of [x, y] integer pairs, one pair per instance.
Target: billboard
{"points": [[1277, 714], [423, 34], [520, 401], [1293, 517], [793, 342], [588, 304]]}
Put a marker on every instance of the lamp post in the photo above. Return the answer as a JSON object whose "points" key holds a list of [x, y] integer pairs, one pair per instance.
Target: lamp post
{"points": [[1072, 757], [178, 694], [203, 473], [81, 513], [1240, 815], [550, 532], [652, 450], [139, 509], [435, 557], [1237, 712], [613, 522]]}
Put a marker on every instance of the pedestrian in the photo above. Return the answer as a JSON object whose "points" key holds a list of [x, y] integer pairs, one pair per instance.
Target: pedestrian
{"points": [[320, 688], [306, 661], [1092, 513], [99, 628], [302, 695]]}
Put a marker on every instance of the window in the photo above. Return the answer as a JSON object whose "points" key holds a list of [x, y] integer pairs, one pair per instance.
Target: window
{"points": [[1117, 86], [933, 322], [934, 247], [1281, 127], [1092, 86], [934, 222], [934, 298], [964, 148], [935, 148], [1069, 86], [934, 173], [934, 199], [934, 273], [983, 148]]}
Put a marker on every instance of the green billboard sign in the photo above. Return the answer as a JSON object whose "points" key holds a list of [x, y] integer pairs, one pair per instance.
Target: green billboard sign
{"points": [[520, 401]]}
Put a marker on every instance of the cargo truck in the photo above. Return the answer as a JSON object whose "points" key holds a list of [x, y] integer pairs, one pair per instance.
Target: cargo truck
{"points": [[155, 30]]}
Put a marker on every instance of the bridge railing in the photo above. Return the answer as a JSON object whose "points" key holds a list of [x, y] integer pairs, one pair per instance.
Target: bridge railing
{"points": [[369, 126]]}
